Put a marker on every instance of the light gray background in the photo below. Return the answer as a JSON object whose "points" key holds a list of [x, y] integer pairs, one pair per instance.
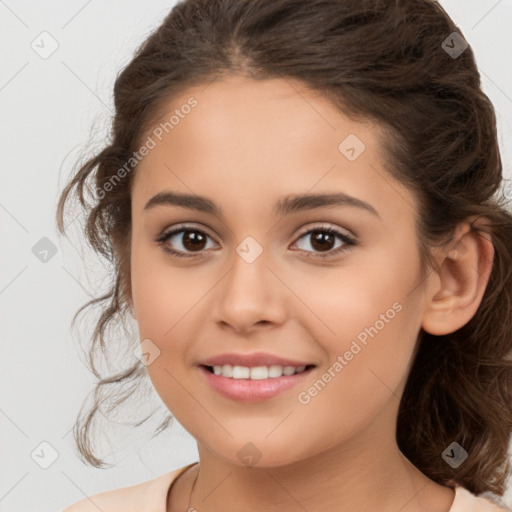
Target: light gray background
{"points": [[48, 107]]}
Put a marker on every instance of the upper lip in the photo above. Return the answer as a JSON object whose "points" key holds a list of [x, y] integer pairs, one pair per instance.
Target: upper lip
{"points": [[250, 360]]}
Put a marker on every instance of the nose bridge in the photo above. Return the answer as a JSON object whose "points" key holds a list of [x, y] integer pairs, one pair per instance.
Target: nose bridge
{"points": [[247, 281], [247, 294]]}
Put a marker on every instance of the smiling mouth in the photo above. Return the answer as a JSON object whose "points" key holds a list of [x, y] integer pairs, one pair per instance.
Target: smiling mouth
{"points": [[256, 372]]}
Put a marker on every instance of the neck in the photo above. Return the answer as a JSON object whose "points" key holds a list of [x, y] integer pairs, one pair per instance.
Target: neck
{"points": [[363, 474]]}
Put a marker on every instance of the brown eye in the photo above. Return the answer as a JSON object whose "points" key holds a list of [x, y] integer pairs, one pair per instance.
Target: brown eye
{"points": [[193, 240], [323, 240], [189, 241]]}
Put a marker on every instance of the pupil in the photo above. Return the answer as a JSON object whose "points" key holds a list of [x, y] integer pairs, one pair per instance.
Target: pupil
{"points": [[322, 239], [194, 237]]}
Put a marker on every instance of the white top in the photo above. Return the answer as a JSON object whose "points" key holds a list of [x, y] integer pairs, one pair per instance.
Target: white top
{"points": [[151, 496]]}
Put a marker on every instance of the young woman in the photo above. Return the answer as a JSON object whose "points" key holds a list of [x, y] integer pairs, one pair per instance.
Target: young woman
{"points": [[301, 203]]}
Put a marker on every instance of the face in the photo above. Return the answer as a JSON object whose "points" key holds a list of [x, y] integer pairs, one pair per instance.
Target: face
{"points": [[334, 285]]}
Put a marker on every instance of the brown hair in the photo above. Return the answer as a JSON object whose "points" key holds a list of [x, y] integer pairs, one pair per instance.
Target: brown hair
{"points": [[378, 60]]}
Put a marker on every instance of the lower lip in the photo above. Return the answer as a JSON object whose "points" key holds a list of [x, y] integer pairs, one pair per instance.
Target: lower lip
{"points": [[249, 390]]}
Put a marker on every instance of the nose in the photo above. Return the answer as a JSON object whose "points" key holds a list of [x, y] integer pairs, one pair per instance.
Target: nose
{"points": [[249, 295]]}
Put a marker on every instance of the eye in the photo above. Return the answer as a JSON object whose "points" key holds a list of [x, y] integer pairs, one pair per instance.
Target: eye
{"points": [[321, 239], [191, 239]]}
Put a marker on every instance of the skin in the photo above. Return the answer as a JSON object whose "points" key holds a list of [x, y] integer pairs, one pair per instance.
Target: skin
{"points": [[246, 145]]}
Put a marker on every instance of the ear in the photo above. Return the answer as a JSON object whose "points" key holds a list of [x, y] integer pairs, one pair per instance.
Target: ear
{"points": [[457, 290]]}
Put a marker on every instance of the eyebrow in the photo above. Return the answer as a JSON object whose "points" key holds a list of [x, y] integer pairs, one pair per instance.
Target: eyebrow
{"points": [[286, 205]]}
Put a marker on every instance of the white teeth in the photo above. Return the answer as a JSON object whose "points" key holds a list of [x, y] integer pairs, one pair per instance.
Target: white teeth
{"points": [[259, 372], [241, 372], [275, 371], [227, 370], [256, 372]]}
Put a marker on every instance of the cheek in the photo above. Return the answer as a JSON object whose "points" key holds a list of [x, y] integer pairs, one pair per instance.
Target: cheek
{"points": [[338, 305], [366, 321], [163, 294], [167, 301]]}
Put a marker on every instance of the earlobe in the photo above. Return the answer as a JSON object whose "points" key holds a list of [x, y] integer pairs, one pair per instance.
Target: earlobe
{"points": [[464, 272]]}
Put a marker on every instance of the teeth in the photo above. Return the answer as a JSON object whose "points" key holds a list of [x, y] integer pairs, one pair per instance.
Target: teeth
{"points": [[226, 370], [241, 372], [288, 370], [275, 371], [256, 372]]}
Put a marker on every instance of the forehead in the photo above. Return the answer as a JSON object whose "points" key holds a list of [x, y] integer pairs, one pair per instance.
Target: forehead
{"points": [[255, 141]]}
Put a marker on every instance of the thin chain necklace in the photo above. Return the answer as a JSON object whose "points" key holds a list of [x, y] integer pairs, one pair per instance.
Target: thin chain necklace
{"points": [[191, 491]]}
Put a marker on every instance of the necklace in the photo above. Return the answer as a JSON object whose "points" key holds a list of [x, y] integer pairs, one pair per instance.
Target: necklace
{"points": [[190, 497]]}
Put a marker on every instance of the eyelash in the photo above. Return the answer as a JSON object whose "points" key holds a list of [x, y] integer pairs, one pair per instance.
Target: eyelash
{"points": [[348, 241]]}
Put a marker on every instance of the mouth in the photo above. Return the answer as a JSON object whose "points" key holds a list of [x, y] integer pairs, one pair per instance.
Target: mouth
{"points": [[256, 383], [256, 372]]}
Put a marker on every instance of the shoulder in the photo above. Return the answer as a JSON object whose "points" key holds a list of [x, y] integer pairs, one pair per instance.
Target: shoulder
{"points": [[466, 501], [150, 495]]}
